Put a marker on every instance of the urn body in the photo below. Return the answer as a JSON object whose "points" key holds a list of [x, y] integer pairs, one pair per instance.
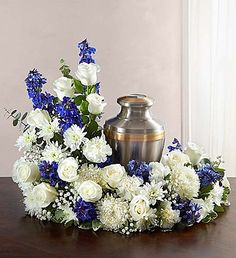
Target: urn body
{"points": [[133, 134]]}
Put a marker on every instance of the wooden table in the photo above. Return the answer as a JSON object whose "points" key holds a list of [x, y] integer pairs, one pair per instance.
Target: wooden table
{"points": [[22, 236]]}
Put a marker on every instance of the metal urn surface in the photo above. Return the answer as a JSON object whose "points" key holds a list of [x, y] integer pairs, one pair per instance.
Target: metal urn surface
{"points": [[133, 134]]}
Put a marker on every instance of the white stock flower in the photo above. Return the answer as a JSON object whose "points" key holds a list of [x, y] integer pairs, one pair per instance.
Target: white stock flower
{"points": [[217, 193], [112, 212], [68, 169], [207, 206], [26, 140], [176, 157], [139, 207], [158, 171], [63, 87], [128, 187], [25, 171], [167, 216], [73, 137], [47, 131], [90, 191], [113, 174], [44, 194], [154, 192], [53, 152], [194, 152], [96, 103], [96, 150], [38, 118], [184, 181], [87, 73]]}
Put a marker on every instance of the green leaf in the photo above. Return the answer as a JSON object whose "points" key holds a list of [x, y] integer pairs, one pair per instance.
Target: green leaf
{"points": [[220, 170], [92, 127], [85, 225], [18, 115], [84, 107], [205, 161], [204, 191], [78, 100], [85, 119], [13, 112], [213, 215], [15, 122], [226, 194], [219, 208], [24, 116], [58, 216], [78, 86], [69, 224], [96, 225]]}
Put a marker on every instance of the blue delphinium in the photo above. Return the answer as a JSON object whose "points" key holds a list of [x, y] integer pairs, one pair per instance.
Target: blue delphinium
{"points": [[106, 163], [207, 175], [48, 171], [189, 211], [68, 114], [140, 169], [86, 52], [177, 146], [34, 83], [85, 211]]}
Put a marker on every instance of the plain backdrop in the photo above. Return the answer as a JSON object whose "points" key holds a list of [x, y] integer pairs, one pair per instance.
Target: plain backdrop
{"points": [[138, 48]]}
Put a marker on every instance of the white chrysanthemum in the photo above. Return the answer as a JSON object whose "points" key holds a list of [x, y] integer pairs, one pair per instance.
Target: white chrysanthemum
{"points": [[184, 181], [73, 137], [207, 206], [26, 140], [112, 212], [174, 158], [47, 131], [129, 187], [31, 206], [88, 172], [53, 152], [158, 171], [154, 192], [96, 150], [167, 216], [68, 214], [217, 193]]}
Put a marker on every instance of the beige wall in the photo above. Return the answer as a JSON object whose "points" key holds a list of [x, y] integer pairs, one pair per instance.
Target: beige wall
{"points": [[138, 42]]}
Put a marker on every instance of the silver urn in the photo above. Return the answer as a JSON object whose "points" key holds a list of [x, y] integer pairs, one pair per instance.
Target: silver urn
{"points": [[133, 134]]}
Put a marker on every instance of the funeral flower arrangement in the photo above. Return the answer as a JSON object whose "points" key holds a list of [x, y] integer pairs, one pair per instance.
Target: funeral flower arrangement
{"points": [[66, 174]]}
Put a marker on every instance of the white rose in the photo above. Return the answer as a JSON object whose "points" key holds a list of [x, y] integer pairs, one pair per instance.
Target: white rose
{"points": [[68, 169], [25, 172], [87, 73], [176, 157], [96, 103], [113, 174], [194, 152], [90, 191], [38, 118], [139, 207], [44, 194], [63, 87]]}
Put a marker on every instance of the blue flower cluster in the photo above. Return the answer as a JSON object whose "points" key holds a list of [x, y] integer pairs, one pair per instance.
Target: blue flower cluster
{"points": [[48, 171], [68, 114], [86, 52], [140, 169], [106, 163], [208, 175], [34, 83], [189, 211], [85, 211], [177, 146]]}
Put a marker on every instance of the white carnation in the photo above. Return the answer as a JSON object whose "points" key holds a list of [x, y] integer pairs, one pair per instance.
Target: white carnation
{"points": [[53, 152], [184, 181], [96, 150], [96, 103], [63, 87], [112, 212], [129, 187], [74, 137], [154, 192], [167, 216], [158, 171], [176, 157], [26, 140]]}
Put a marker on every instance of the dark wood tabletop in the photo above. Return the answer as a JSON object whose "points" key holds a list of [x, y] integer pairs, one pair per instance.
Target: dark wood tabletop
{"points": [[22, 236]]}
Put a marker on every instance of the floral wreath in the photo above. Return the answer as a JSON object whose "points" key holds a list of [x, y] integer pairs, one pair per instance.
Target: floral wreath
{"points": [[66, 173]]}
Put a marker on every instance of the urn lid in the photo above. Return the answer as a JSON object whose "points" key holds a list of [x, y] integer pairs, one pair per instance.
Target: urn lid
{"points": [[135, 100]]}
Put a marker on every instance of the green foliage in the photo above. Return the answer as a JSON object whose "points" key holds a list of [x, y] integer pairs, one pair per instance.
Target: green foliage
{"points": [[58, 216], [219, 170], [65, 69], [204, 191], [85, 225], [226, 194], [205, 161], [213, 215], [96, 225], [219, 209], [18, 118], [84, 107], [79, 88], [78, 99]]}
